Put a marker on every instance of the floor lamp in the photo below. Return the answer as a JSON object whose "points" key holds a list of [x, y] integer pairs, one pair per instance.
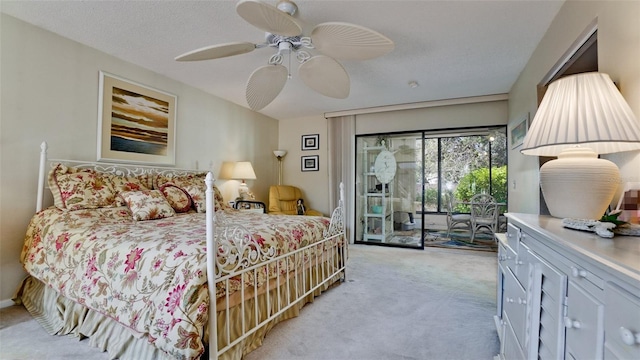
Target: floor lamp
{"points": [[279, 155]]}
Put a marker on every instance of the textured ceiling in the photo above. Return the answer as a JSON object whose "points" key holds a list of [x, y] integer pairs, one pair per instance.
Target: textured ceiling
{"points": [[453, 49]]}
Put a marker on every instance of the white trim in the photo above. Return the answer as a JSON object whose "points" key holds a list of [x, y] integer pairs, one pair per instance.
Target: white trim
{"points": [[6, 303], [573, 49], [419, 105]]}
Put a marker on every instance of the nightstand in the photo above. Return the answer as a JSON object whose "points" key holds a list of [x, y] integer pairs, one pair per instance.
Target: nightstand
{"points": [[250, 206]]}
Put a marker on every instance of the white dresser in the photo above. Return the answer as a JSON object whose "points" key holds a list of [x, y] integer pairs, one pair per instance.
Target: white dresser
{"points": [[566, 294]]}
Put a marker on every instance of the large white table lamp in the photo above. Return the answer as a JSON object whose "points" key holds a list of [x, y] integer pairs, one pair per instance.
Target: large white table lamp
{"points": [[581, 116]]}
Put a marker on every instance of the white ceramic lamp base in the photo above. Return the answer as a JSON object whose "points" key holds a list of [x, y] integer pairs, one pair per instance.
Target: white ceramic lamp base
{"points": [[578, 185], [244, 193]]}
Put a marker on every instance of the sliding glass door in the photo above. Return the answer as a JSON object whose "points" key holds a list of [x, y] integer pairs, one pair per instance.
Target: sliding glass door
{"points": [[402, 180], [389, 193]]}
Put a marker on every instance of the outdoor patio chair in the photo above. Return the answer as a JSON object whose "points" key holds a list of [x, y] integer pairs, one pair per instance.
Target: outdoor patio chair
{"points": [[454, 220], [484, 214]]}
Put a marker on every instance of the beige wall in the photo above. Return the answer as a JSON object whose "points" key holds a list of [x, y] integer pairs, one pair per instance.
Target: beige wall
{"points": [[618, 55], [314, 184], [49, 92]]}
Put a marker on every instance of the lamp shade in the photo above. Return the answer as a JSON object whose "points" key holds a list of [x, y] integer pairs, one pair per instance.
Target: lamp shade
{"points": [[243, 171], [583, 109], [279, 153], [580, 117], [226, 170]]}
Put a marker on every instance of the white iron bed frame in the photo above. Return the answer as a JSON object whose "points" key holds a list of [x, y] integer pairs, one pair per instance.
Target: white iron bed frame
{"points": [[236, 256]]}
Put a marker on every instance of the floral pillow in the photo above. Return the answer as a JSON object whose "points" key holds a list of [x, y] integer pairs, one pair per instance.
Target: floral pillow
{"points": [[75, 189], [219, 200], [128, 183], [198, 197], [177, 197], [195, 186], [147, 204]]}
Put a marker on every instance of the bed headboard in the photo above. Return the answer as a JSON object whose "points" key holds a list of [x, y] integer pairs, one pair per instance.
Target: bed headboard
{"points": [[47, 164]]}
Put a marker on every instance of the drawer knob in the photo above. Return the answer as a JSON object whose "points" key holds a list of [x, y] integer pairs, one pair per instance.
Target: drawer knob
{"points": [[578, 273], [522, 301], [572, 324], [509, 300], [628, 337]]}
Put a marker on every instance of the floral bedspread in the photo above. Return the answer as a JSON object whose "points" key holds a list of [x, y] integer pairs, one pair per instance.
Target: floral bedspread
{"points": [[148, 275]]}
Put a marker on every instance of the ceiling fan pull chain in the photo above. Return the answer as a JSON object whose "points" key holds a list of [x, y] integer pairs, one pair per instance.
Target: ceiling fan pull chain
{"points": [[289, 68]]}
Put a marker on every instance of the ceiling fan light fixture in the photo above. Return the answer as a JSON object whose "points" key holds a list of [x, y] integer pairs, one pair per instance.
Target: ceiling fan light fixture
{"points": [[283, 35]]}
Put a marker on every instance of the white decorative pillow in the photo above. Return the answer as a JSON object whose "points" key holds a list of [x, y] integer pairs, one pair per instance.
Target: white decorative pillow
{"points": [[147, 204], [177, 197]]}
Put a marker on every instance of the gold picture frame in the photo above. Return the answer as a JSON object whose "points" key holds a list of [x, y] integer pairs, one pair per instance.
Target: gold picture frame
{"points": [[136, 123]]}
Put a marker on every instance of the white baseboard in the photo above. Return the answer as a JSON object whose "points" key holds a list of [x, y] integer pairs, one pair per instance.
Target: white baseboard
{"points": [[6, 303]]}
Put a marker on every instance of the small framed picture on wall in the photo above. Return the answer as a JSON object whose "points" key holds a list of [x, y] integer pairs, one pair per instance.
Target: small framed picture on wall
{"points": [[310, 163], [311, 142], [519, 131]]}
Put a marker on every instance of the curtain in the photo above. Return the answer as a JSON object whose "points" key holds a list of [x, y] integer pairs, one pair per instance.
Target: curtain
{"points": [[341, 164]]}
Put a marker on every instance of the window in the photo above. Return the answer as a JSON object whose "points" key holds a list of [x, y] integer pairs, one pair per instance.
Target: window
{"points": [[472, 164]]}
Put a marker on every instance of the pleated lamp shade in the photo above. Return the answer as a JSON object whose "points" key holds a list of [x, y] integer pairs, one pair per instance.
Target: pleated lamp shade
{"points": [[583, 109], [580, 117]]}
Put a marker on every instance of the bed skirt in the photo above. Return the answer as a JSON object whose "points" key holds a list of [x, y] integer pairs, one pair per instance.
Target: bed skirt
{"points": [[61, 316]]}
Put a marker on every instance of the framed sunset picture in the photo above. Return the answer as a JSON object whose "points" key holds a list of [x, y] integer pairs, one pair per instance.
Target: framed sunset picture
{"points": [[136, 123]]}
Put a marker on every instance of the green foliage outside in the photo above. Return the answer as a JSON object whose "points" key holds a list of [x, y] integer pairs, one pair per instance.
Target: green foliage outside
{"points": [[477, 182]]}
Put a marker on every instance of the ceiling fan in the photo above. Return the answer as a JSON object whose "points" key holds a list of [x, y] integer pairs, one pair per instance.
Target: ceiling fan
{"points": [[322, 73]]}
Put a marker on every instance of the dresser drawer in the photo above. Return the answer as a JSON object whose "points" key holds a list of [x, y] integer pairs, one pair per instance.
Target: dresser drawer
{"points": [[521, 265], [506, 256], [622, 323], [584, 324], [510, 348], [515, 305]]}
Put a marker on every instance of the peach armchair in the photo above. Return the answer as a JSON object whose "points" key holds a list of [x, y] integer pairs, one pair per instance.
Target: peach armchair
{"points": [[283, 200]]}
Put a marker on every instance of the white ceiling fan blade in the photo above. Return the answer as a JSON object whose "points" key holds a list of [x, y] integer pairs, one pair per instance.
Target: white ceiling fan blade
{"points": [[217, 51], [264, 84], [326, 76], [268, 18], [346, 41]]}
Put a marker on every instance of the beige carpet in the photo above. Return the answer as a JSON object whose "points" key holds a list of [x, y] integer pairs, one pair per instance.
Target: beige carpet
{"points": [[396, 304]]}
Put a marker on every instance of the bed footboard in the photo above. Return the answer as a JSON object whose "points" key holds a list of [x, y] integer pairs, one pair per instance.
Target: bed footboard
{"points": [[232, 255]]}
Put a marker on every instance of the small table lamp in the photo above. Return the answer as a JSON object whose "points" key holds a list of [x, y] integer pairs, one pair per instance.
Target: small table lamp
{"points": [[243, 171], [581, 116]]}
